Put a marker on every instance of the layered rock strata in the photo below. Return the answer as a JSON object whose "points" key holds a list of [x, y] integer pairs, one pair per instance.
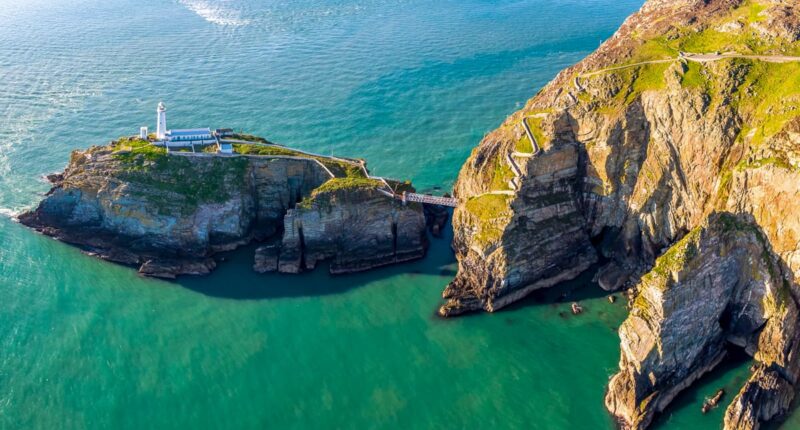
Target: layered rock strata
{"points": [[720, 284], [353, 229], [689, 110], [169, 214]]}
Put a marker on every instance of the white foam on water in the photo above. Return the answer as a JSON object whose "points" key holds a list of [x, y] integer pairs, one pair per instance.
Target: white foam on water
{"points": [[215, 13], [10, 213]]}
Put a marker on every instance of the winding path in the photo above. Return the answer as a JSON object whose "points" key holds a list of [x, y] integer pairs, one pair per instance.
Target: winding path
{"points": [[698, 58]]}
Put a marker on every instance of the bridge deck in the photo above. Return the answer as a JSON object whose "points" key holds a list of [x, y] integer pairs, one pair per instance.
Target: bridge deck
{"points": [[431, 200]]}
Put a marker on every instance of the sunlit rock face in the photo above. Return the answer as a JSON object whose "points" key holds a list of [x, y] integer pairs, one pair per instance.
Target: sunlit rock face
{"points": [[675, 118]]}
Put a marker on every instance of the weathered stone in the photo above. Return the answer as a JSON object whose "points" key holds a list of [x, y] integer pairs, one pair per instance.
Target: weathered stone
{"points": [[355, 229], [633, 158], [266, 259], [171, 215]]}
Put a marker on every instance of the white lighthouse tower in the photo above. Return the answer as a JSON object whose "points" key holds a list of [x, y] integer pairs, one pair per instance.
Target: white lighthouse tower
{"points": [[161, 122]]}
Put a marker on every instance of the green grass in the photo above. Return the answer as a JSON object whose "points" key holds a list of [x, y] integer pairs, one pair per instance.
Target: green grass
{"points": [[247, 149], [753, 11], [321, 195], [535, 124], [135, 153], [658, 48], [694, 76], [501, 175], [248, 137], [524, 144], [647, 77], [194, 181], [340, 169], [493, 213], [769, 96], [761, 162], [338, 184]]}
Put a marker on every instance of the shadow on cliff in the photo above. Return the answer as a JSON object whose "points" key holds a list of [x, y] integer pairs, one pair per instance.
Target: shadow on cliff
{"points": [[235, 279], [575, 290], [732, 373], [729, 375]]}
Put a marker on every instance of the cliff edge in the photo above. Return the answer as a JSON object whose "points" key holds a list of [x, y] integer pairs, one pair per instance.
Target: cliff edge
{"points": [[691, 110], [169, 213]]}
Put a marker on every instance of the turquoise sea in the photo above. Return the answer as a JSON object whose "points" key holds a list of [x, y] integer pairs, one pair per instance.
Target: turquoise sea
{"points": [[410, 85]]}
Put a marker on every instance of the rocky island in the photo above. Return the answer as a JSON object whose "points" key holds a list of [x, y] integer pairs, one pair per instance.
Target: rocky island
{"points": [[169, 211], [670, 159]]}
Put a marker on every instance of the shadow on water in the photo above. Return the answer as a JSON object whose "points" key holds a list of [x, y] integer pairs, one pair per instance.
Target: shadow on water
{"points": [[235, 279], [727, 376], [576, 290]]}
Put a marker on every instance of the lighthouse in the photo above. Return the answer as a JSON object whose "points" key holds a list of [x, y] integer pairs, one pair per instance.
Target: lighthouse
{"points": [[161, 122]]}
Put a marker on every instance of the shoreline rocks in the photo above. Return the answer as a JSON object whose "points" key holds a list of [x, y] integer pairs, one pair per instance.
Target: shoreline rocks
{"points": [[635, 157], [719, 285], [169, 215]]}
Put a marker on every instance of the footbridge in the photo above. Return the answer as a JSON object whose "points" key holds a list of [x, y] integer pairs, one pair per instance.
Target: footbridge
{"points": [[429, 199]]}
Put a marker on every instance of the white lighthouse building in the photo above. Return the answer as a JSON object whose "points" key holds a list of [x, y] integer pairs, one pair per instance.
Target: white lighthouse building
{"points": [[183, 138], [161, 122]]}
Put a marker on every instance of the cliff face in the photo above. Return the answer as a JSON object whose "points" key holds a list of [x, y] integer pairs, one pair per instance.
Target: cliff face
{"points": [[634, 147], [719, 284], [356, 229], [637, 155], [169, 214]]}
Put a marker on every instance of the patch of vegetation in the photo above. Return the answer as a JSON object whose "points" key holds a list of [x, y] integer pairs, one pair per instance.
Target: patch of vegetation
{"points": [[135, 153], [694, 76], [338, 184], [769, 96], [340, 169], [187, 182], [724, 186], [501, 175], [647, 77], [658, 48], [674, 259], [761, 162], [493, 213], [535, 124], [248, 149], [524, 144], [248, 138]]}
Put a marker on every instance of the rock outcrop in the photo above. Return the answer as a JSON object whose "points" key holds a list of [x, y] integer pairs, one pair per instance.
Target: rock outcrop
{"points": [[356, 229], [720, 284], [169, 214], [634, 148]]}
